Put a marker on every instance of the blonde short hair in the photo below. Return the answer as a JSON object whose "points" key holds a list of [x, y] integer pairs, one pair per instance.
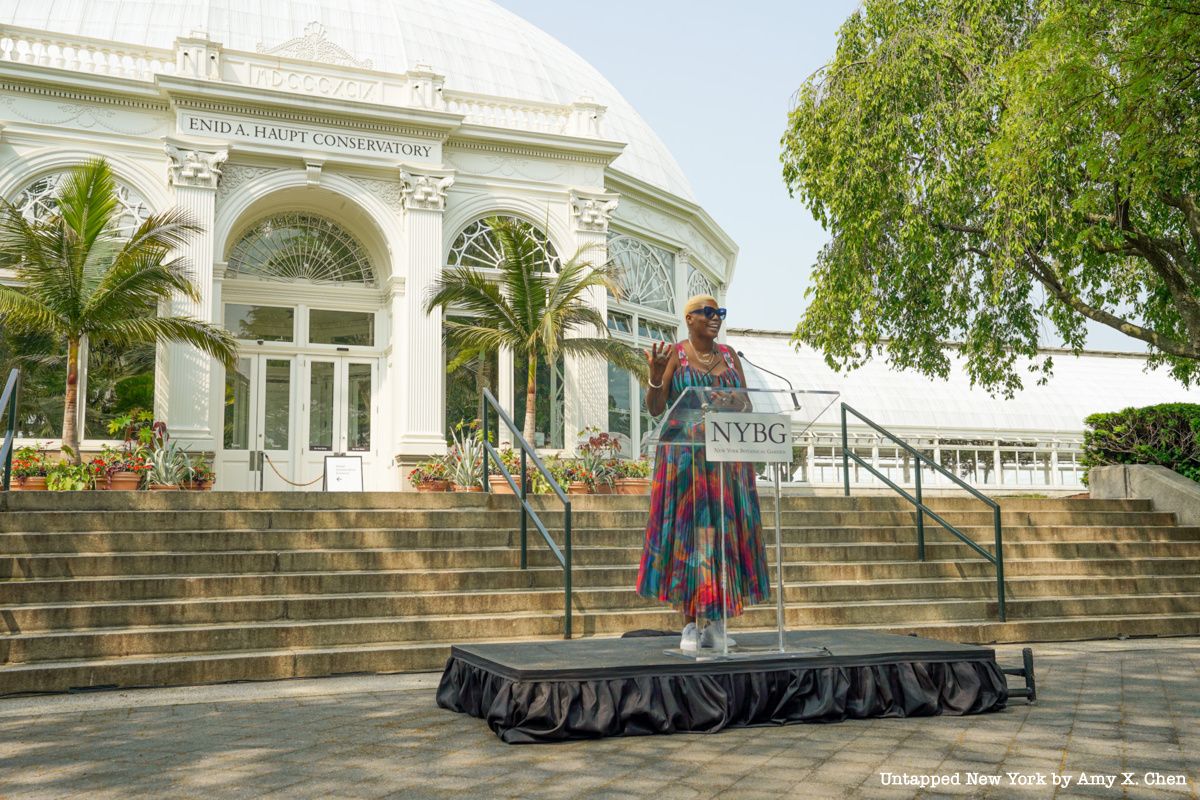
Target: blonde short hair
{"points": [[698, 302]]}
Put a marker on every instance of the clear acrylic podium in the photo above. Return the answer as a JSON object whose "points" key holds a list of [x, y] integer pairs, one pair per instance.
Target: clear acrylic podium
{"points": [[736, 435]]}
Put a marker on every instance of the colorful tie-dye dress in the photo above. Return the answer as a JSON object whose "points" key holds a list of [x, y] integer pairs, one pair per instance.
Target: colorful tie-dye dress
{"points": [[679, 560]]}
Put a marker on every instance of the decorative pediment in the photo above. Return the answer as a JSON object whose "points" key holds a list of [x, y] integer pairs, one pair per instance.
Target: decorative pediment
{"points": [[313, 46]]}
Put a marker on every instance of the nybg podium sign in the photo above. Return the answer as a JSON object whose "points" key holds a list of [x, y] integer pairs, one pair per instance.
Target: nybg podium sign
{"points": [[747, 436]]}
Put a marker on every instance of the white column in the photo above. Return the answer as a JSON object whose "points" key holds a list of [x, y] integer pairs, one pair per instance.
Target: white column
{"points": [[505, 386], [683, 266], [587, 378], [185, 380], [418, 335]]}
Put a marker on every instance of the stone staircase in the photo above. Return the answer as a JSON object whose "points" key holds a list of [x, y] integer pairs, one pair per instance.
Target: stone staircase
{"points": [[152, 589]]}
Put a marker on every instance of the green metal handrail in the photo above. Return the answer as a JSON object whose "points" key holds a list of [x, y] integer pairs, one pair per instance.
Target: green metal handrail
{"points": [[996, 559], [8, 403], [563, 554]]}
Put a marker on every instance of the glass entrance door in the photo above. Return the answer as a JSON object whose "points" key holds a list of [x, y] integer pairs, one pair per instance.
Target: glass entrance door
{"points": [[258, 439], [337, 411]]}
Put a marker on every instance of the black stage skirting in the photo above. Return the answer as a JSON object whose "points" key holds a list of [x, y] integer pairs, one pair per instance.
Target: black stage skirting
{"points": [[590, 688]]}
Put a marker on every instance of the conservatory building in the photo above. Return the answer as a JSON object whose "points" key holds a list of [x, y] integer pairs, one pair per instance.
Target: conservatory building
{"points": [[339, 157]]}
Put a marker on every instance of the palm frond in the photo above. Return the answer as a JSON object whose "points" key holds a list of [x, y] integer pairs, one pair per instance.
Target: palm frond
{"points": [[209, 339], [136, 280], [470, 291], [87, 201], [27, 314], [610, 350], [167, 229], [481, 337]]}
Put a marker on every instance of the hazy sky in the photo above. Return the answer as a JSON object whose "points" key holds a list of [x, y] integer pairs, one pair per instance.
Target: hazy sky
{"points": [[714, 80]]}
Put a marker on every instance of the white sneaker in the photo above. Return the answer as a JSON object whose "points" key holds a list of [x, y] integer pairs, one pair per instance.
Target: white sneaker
{"points": [[690, 641], [714, 636]]}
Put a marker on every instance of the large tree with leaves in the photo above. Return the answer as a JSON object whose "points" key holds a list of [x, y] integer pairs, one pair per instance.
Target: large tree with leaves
{"points": [[78, 276], [988, 167], [530, 309]]}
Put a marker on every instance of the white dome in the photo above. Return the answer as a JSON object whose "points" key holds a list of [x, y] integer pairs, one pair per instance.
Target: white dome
{"points": [[479, 47]]}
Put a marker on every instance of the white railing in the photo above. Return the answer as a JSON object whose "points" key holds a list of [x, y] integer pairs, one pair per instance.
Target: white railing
{"points": [[503, 113], [1027, 462], [81, 54]]}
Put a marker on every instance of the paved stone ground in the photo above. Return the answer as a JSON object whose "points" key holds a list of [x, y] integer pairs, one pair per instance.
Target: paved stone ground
{"points": [[1105, 708]]}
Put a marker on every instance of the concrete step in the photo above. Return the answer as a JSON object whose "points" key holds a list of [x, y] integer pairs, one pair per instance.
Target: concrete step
{"points": [[418, 623], [330, 605], [438, 518], [135, 587], [191, 501], [235, 561], [15, 544]]}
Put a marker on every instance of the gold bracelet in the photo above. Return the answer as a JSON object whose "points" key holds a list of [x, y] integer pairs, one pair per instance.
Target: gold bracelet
{"points": [[654, 385]]}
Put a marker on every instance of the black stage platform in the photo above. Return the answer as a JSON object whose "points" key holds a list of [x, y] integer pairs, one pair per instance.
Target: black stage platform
{"points": [[589, 688]]}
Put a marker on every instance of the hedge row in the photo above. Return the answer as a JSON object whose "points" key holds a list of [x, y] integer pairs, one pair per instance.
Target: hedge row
{"points": [[1167, 434]]}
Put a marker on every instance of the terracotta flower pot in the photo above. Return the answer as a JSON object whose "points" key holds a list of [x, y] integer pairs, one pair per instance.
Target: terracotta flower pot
{"points": [[34, 483], [633, 485], [605, 488], [499, 484], [164, 487], [459, 488], [123, 481], [437, 485], [578, 487]]}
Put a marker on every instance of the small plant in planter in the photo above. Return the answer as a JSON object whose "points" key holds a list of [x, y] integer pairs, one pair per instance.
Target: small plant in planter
{"points": [[465, 459], [169, 466], [29, 468], [558, 471], [430, 476], [512, 462], [633, 476], [67, 476], [598, 453], [580, 479], [128, 466], [202, 476]]}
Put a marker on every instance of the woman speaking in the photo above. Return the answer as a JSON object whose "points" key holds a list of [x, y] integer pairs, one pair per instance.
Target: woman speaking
{"points": [[679, 559]]}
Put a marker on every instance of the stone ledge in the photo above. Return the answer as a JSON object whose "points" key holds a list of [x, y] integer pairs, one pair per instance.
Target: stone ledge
{"points": [[1168, 490]]}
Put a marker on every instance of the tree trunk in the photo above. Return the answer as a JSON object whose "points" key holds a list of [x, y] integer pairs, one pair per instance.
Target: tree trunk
{"points": [[531, 401], [70, 431], [483, 375]]}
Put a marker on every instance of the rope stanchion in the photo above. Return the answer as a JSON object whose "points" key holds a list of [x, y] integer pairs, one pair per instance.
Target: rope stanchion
{"points": [[285, 480]]}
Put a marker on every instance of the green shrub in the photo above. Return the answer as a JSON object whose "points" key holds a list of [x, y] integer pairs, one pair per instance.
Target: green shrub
{"points": [[1167, 434]]}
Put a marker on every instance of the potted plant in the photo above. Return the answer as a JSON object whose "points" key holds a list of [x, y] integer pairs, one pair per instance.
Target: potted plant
{"points": [[67, 476], [201, 475], [512, 462], [29, 469], [633, 476], [465, 458], [430, 476], [168, 467], [598, 456], [127, 466], [580, 479]]}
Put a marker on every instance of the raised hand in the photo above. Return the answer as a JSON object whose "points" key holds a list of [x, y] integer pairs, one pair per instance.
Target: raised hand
{"points": [[658, 356]]}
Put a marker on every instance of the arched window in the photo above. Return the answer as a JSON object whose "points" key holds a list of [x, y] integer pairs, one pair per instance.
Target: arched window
{"points": [[476, 246], [40, 199], [699, 283], [298, 246], [645, 272]]}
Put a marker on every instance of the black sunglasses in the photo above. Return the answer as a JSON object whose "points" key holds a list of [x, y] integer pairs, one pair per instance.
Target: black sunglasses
{"points": [[709, 312]]}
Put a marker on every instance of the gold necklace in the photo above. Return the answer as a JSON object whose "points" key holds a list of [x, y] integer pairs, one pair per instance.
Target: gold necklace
{"points": [[704, 359]]}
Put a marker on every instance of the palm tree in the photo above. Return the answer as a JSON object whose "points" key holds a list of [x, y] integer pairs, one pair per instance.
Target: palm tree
{"points": [[79, 277], [528, 309]]}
